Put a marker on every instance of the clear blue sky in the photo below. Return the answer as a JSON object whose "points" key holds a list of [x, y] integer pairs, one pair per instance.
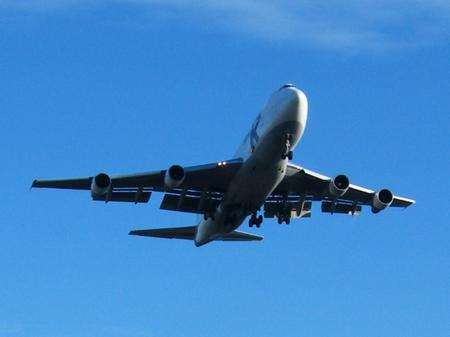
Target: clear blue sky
{"points": [[125, 86]]}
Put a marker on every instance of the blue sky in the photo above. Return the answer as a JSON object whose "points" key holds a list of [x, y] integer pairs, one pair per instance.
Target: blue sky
{"points": [[126, 86]]}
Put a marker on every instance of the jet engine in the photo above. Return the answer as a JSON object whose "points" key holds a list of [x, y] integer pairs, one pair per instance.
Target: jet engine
{"points": [[382, 199], [339, 185], [174, 176], [101, 184]]}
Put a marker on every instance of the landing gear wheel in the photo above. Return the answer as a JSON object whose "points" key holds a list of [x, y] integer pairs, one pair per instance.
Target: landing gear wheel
{"points": [[259, 221], [284, 218], [253, 221]]}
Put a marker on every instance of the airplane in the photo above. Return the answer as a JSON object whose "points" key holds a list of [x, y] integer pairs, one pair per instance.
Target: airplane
{"points": [[259, 179]]}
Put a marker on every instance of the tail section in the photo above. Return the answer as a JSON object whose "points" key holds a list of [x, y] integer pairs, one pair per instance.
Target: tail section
{"points": [[188, 233]]}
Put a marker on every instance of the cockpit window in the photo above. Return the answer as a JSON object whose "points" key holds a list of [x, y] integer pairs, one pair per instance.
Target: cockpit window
{"points": [[287, 85]]}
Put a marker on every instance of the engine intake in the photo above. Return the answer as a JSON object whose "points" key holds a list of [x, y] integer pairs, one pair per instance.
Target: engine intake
{"points": [[339, 185], [381, 200], [101, 184], [174, 176]]}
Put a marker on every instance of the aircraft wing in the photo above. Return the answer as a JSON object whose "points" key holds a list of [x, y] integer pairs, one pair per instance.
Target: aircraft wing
{"points": [[312, 186], [212, 178]]}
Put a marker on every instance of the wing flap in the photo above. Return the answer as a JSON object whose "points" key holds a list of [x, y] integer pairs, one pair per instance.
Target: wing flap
{"points": [[136, 197], [190, 204]]}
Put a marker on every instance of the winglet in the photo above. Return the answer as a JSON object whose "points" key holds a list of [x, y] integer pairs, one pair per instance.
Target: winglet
{"points": [[33, 184]]}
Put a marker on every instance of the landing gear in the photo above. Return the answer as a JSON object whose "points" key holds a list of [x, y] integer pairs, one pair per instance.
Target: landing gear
{"points": [[286, 218], [287, 153], [255, 220]]}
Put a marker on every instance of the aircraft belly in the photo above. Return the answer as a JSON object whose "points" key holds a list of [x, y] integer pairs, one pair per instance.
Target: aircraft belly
{"points": [[257, 178], [256, 183]]}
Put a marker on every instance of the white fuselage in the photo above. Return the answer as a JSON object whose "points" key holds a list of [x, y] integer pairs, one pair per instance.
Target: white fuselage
{"points": [[277, 130]]}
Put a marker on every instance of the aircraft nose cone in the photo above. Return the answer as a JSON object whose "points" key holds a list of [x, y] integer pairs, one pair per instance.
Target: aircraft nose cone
{"points": [[297, 106]]}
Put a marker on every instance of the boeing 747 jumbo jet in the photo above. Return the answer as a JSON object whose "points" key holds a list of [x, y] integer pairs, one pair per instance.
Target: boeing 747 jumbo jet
{"points": [[260, 178]]}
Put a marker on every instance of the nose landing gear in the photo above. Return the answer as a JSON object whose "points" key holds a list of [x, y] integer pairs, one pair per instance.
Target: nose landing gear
{"points": [[255, 220], [288, 153]]}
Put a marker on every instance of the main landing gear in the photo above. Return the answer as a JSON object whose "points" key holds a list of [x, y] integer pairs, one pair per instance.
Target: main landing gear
{"points": [[284, 218], [255, 220]]}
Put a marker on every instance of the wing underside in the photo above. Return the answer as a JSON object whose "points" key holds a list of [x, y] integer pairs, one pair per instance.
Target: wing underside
{"points": [[203, 182], [205, 185], [301, 185]]}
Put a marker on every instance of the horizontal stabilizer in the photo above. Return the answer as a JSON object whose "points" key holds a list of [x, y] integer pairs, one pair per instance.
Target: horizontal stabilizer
{"points": [[185, 233], [240, 236], [188, 233]]}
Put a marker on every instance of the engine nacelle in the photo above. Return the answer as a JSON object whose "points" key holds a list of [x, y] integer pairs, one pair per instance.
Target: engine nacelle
{"points": [[339, 185], [101, 184], [382, 199], [174, 176]]}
